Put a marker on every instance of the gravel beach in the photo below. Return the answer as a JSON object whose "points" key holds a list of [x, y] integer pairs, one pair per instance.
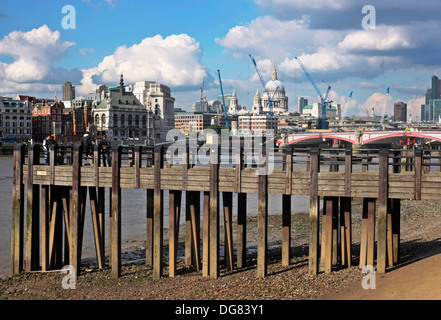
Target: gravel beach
{"points": [[420, 225]]}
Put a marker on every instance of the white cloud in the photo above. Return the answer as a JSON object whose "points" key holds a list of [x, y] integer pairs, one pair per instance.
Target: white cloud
{"points": [[34, 53], [381, 38], [304, 4], [414, 107], [268, 37], [174, 61]]}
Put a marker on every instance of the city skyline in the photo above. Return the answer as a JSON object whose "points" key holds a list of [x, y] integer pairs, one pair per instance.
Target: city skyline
{"points": [[183, 44]]}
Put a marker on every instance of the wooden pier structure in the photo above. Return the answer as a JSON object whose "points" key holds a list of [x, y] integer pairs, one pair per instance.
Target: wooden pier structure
{"points": [[55, 196]]}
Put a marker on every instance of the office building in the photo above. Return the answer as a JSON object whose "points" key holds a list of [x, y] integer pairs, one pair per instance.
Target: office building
{"points": [[15, 119], [400, 111], [68, 92], [302, 103]]}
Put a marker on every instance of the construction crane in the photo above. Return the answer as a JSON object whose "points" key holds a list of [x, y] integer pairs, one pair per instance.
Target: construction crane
{"points": [[385, 106], [223, 100], [270, 104], [324, 101]]}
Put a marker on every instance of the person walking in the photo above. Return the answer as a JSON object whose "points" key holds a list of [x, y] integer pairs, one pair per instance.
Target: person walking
{"points": [[86, 142], [46, 149], [48, 144], [105, 147]]}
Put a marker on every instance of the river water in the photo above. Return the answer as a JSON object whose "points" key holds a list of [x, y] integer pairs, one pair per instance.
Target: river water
{"points": [[133, 223]]}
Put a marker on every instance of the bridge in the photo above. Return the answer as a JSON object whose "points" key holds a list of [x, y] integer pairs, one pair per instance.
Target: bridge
{"points": [[361, 138]]}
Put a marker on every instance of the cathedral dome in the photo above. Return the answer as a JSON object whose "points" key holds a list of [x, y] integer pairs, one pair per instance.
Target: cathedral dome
{"points": [[272, 85]]}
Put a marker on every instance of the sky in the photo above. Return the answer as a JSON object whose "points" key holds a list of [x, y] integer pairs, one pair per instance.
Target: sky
{"points": [[183, 44]]}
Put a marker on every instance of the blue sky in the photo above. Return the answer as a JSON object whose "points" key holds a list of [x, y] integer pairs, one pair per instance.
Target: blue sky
{"points": [[182, 44]]}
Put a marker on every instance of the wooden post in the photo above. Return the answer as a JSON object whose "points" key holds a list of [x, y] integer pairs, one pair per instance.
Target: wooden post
{"points": [[149, 227], [227, 198], [75, 214], [206, 236], [241, 212], [395, 213], [192, 229], [286, 209], [101, 220], [174, 214], [262, 216], [241, 229], [194, 211], [17, 210], [45, 226], [188, 239], [33, 212], [396, 208], [96, 226], [418, 153], [346, 231], [286, 229], [382, 210], [158, 216], [214, 213], [328, 249], [368, 232], [345, 213], [67, 208], [314, 212], [116, 213], [137, 165]]}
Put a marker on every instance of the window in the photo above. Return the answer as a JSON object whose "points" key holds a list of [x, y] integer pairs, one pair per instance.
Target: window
{"points": [[103, 119], [97, 120], [115, 120], [123, 121], [137, 120], [129, 120]]}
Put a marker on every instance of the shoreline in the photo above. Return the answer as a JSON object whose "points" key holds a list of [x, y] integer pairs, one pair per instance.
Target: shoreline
{"points": [[420, 224]]}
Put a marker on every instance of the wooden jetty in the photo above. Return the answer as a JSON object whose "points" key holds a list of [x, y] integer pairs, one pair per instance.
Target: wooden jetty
{"points": [[55, 195]]}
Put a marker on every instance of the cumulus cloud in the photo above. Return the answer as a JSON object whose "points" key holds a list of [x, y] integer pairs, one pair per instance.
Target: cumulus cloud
{"points": [[174, 61], [381, 38], [34, 53]]}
